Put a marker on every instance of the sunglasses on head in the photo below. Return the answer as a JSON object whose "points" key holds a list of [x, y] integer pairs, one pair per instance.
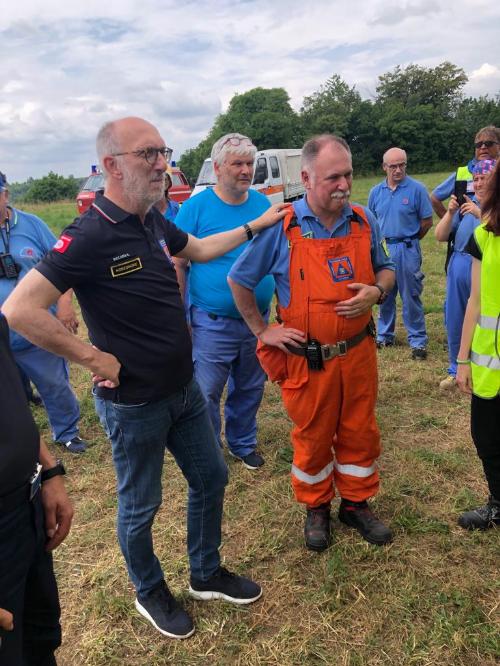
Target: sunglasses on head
{"points": [[486, 144]]}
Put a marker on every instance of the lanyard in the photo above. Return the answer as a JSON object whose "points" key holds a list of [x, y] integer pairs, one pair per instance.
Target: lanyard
{"points": [[6, 235]]}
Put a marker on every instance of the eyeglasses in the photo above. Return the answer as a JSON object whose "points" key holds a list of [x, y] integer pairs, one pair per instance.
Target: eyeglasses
{"points": [[393, 167], [236, 141], [150, 154], [486, 144]]}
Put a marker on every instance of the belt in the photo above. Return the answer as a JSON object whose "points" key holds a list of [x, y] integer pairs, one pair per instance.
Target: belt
{"points": [[339, 349], [392, 240], [25, 493]]}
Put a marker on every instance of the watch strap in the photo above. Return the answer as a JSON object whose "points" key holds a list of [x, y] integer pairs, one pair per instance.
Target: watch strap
{"points": [[57, 470]]}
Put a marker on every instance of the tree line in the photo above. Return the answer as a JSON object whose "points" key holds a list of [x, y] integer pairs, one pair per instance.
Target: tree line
{"points": [[51, 187], [421, 109]]}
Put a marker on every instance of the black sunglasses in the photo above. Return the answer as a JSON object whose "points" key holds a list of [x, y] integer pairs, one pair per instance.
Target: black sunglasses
{"points": [[486, 144]]}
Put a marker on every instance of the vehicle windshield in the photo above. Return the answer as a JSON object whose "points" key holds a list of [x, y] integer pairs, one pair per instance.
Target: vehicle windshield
{"points": [[207, 175], [177, 180], [94, 183]]}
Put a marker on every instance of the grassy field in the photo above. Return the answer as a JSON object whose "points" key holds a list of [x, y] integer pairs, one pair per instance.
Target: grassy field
{"points": [[430, 598]]}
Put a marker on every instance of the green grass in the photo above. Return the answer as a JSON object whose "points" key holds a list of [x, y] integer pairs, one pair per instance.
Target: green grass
{"points": [[430, 598]]}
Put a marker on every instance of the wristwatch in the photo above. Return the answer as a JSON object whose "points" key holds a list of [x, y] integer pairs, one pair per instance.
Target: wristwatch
{"points": [[383, 293], [57, 470]]}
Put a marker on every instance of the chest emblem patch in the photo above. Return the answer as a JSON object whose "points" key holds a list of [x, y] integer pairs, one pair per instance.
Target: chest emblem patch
{"points": [[126, 267], [341, 269], [28, 252], [405, 201]]}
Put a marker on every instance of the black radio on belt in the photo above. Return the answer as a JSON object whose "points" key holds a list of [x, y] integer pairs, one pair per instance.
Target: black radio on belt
{"points": [[8, 266], [313, 355]]}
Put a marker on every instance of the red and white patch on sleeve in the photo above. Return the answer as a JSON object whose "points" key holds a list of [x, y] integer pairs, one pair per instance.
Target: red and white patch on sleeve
{"points": [[63, 243]]}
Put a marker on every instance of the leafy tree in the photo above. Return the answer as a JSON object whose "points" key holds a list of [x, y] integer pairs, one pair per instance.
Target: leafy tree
{"points": [[263, 114], [330, 108], [52, 188], [413, 86]]}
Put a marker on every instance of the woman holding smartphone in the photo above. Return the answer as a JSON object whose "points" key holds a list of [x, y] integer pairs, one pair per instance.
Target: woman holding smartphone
{"points": [[479, 354], [460, 220]]}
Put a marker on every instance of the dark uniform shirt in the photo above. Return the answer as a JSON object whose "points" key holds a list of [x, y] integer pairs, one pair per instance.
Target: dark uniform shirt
{"points": [[123, 276], [19, 438]]}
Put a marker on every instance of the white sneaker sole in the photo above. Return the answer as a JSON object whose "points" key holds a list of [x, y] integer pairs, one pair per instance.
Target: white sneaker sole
{"points": [[148, 617], [206, 596]]}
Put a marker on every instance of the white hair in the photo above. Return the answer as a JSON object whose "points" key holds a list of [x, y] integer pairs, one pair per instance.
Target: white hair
{"points": [[106, 143], [224, 145]]}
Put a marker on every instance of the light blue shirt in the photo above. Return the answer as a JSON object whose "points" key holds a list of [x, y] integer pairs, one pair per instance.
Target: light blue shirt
{"points": [[206, 214], [29, 240], [400, 211], [171, 210], [268, 253]]}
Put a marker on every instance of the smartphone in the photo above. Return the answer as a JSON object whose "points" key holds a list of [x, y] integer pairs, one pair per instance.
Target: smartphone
{"points": [[460, 191]]}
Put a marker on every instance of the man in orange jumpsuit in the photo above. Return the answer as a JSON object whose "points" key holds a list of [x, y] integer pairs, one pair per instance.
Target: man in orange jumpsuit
{"points": [[330, 266]]}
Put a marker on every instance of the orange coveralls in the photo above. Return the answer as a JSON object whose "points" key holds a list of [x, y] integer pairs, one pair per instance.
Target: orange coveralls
{"points": [[335, 435]]}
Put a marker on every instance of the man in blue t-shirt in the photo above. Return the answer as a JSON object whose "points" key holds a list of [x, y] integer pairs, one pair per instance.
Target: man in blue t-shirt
{"points": [[24, 240], [223, 345], [403, 209]]}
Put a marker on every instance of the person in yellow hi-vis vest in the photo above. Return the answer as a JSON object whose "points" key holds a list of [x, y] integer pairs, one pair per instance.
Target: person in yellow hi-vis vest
{"points": [[479, 354]]}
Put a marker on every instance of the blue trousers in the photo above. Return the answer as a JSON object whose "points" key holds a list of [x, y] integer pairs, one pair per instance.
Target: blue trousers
{"points": [[139, 435], [28, 588], [409, 283], [224, 352], [50, 374], [458, 283]]}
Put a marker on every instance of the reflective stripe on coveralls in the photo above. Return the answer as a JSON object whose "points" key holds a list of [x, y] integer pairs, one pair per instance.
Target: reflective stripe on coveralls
{"points": [[332, 409], [485, 357]]}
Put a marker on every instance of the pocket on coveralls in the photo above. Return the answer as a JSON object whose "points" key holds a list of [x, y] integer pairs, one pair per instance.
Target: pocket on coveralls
{"points": [[273, 362]]}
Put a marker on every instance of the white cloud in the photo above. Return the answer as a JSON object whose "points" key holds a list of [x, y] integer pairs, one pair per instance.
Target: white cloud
{"points": [[70, 68]]}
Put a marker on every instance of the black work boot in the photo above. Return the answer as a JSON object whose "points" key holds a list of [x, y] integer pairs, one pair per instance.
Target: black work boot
{"points": [[483, 517], [317, 528], [360, 516]]}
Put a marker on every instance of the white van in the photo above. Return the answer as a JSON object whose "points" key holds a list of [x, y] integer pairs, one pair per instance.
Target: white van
{"points": [[277, 175]]}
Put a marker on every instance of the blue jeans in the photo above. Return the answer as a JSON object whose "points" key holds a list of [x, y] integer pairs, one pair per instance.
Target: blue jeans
{"points": [[139, 435], [49, 373], [224, 351]]}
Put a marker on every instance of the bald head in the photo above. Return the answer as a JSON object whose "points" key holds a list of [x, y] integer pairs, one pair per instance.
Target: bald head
{"points": [[133, 158], [394, 164], [116, 135], [394, 155]]}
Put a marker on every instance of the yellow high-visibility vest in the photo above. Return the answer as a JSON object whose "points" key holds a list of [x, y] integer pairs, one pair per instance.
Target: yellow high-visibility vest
{"points": [[485, 351]]}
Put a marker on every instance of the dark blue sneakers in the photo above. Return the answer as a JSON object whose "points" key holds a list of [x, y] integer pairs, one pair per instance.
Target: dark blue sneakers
{"points": [[164, 613], [225, 585]]}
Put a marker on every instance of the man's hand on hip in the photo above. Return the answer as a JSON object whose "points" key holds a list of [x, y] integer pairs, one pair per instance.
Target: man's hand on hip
{"points": [[279, 336], [105, 369]]}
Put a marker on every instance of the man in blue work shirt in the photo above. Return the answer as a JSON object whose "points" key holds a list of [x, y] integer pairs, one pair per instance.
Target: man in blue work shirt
{"points": [[404, 212], [223, 345], [25, 239], [330, 268], [487, 147]]}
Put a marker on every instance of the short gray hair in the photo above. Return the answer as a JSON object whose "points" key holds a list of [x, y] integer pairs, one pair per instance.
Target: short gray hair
{"points": [[312, 147], [491, 131], [235, 143], [106, 142]]}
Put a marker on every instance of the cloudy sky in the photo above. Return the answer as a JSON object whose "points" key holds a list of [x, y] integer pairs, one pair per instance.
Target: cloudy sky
{"points": [[67, 67]]}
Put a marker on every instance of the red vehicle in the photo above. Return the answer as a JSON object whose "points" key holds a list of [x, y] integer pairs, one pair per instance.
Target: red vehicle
{"points": [[179, 191]]}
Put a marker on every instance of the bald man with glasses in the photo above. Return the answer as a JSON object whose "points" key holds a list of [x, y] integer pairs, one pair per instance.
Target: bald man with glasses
{"points": [[403, 209], [118, 259]]}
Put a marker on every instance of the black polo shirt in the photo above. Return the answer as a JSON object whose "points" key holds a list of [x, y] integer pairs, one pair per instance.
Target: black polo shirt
{"points": [[124, 278], [19, 438]]}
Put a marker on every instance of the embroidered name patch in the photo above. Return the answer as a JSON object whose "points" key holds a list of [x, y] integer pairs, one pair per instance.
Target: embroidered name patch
{"points": [[341, 269], [126, 267]]}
